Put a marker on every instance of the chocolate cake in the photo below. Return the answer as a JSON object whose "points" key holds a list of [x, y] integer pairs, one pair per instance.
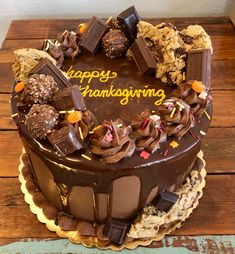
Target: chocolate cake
{"points": [[119, 126]]}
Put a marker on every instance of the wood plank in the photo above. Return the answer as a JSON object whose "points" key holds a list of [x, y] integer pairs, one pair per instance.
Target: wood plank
{"points": [[6, 77], [219, 149], [36, 29], [219, 157], [214, 215], [6, 121], [223, 115]]}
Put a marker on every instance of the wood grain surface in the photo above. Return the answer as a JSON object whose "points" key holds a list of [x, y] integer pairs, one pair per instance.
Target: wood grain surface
{"points": [[216, 213]]}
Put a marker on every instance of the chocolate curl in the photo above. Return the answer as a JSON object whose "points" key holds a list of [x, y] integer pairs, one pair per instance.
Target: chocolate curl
{"points": [[111, 141], [69, 43]]}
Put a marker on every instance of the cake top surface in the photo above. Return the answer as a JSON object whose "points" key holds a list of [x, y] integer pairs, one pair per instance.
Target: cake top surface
{"points": [[144, 96]]}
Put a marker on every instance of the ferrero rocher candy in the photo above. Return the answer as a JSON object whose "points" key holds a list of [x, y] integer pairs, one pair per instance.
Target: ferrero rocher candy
{"points": [[41, 120], [39, 89], [115, 43]]}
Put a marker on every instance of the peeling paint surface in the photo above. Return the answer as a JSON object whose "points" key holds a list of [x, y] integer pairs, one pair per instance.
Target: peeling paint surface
{"points": [[170, 245]]}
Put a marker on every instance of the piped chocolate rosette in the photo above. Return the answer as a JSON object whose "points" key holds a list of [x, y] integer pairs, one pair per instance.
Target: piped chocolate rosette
{"points": [[176, 116], [69, 42], [148, 131], [194, 94], [111, 141]]}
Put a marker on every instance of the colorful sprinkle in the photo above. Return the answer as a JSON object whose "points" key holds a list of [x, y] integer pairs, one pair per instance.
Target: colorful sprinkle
{"points": [[108, 20], [144, 124], [62, 112], [80, 133], [165, 152], [97, 127], [109, 137], [174, 144], [203, 133], [203, 95], [198, 86], [19, 87], [207, 115], [180, 105], [172, 112], [86, 157], [144, 154], [14, 115]]}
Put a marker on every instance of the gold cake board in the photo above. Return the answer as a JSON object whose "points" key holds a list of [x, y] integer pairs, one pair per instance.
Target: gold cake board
{"points": [[92, 241]]}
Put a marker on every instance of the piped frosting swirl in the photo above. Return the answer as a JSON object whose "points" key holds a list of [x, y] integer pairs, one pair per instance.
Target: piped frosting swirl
{"points": [[197, 99], [111, 141], [176, 116], [148, 131]]}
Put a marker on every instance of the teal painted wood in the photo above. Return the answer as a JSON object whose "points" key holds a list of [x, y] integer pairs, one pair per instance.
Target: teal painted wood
{"points": [[186, 245]]}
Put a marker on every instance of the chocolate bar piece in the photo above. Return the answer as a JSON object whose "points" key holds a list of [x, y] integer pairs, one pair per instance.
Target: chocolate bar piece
{"points": [[45, 66], [65, 140], [198, 66], [69, 98], [116, 230], [93, 34], [165, 200], [128, 20], [143, 57]]}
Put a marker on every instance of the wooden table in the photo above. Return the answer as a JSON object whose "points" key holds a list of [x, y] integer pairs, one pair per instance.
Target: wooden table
{"points": [[211, 228]]}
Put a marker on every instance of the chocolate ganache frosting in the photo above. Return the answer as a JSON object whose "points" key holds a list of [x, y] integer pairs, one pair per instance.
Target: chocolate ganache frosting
{"points": [[110, 152]]}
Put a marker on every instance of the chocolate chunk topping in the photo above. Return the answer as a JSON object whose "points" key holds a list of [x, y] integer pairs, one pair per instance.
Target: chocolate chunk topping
{"points": [[66, 140], [45, 66], [198, 66], [116, 230], [114, 43], [41, 120], [165, 200], [93, 34], [128, 20], [143, 57], [187, 39], [69, 98]]}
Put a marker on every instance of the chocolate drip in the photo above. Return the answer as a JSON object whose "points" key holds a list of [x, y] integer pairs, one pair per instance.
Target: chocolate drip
{"points": [[64, 195]]}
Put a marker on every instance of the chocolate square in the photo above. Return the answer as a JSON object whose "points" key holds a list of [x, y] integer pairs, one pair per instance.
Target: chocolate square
{"points": [[93, 34], [69, 98], [128, 20], [198, 66], [65, 140], [45, 66], [165, 200], [116, 230], [143, 56]]}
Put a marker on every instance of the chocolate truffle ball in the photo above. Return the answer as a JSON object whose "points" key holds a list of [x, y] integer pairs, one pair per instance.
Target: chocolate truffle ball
{"points": [[39, 89], [114, 43], [41, 120]]}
